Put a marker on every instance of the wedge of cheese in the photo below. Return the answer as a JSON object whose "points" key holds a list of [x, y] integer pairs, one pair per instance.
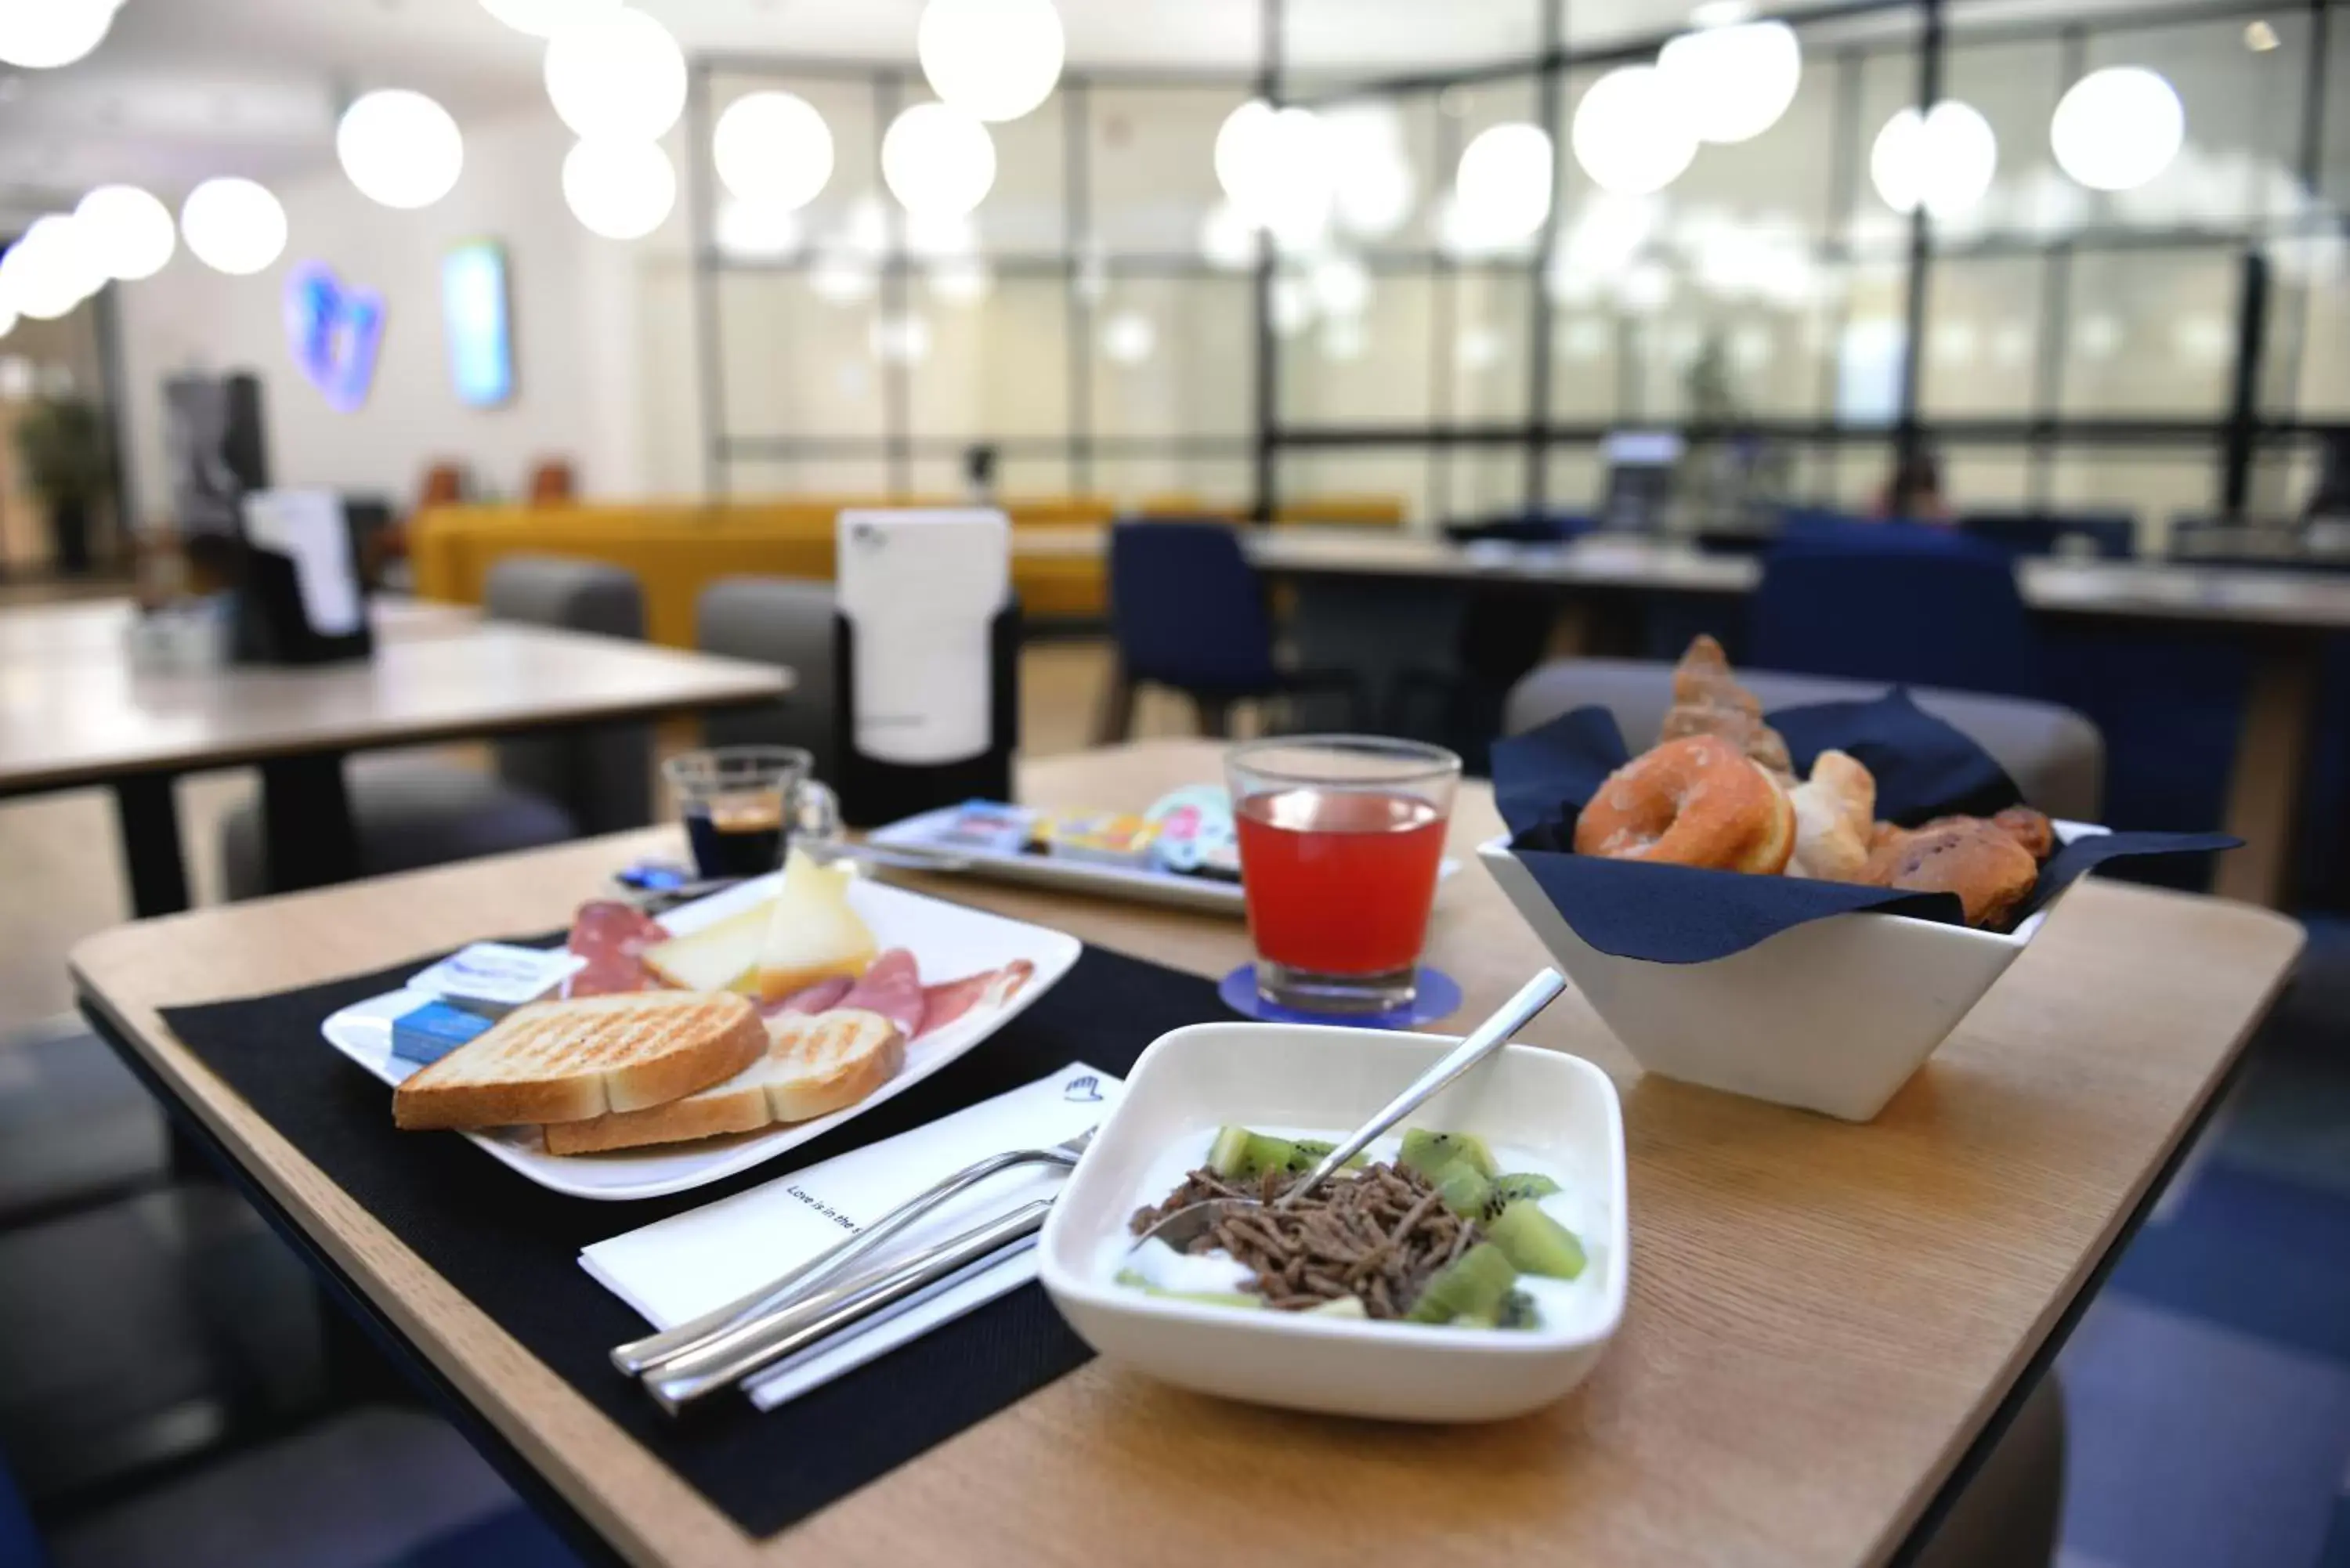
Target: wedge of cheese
{"points": [[812, 933], [720, 956]]}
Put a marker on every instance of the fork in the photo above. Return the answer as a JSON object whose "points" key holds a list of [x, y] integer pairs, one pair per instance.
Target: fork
{"points": [[704, 1340]]}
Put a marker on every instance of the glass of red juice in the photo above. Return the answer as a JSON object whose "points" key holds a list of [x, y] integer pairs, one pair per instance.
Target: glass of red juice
{"points": [[1340, 838]]}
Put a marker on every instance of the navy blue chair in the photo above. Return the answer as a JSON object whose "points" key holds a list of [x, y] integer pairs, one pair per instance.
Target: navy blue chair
{"points": [[1919, 605], [1524, 528], [20, 1544], [1188, 612], [2112, 535]]}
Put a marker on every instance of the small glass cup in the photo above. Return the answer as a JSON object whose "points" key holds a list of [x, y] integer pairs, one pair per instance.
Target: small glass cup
{"points": [[1340, 837], [743, 805]]}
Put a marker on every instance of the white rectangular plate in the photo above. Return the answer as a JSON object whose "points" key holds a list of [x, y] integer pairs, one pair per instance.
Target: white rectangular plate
{"points": [[948, 941], [917, 834]]}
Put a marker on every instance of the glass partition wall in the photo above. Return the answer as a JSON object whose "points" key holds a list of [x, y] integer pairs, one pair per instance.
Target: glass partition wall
{"points": [[1107, 324]]}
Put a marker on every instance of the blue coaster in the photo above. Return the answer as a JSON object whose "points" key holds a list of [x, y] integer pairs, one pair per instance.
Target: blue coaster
{"points": [[1438, 997]]}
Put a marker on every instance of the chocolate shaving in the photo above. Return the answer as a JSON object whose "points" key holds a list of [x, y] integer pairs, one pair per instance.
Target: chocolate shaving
{"points": [[1378, 1234]]}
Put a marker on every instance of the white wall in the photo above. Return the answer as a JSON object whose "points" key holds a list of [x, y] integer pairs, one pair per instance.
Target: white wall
{"points": [[574, 326]]}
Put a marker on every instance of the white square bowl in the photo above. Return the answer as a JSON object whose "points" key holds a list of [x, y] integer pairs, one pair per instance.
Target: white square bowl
{"points": [[1834, 1015], [1273, 1075]]}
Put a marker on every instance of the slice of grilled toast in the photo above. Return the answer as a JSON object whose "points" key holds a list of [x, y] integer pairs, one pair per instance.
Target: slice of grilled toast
{"points": [[816, 1064], [569, 1061]]}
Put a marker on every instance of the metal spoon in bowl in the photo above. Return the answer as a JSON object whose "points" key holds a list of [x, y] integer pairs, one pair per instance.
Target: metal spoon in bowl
{"points": [[1187, 1224]]}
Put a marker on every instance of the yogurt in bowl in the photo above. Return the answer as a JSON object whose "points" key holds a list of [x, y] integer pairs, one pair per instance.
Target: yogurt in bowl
{"points": [[1539, 1112], [1473, 1193]]}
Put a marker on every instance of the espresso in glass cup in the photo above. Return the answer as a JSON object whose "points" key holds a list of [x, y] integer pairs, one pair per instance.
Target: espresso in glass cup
{"points": [[1341, 837], [743, 806]]}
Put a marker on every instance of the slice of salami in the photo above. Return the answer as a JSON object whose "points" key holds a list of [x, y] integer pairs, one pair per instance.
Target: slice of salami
{"points": [[950, 999], [821, 997], [892, 987], [611, 936]]}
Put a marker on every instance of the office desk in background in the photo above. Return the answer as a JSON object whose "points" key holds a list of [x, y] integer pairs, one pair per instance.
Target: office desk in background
{"points": [[2281, 617], [73, 713]]}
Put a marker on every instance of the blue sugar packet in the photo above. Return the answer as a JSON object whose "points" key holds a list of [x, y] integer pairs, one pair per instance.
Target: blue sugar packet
{"points": [[424, 1034], [1680, 914]]}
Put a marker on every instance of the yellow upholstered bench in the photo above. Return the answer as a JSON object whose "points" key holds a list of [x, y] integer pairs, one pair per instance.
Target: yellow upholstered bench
{"points": [[677, 549]]}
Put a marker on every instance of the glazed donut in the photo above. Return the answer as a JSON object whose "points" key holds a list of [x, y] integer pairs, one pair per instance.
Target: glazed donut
{"points": [[1978, 860], [1697, 801]]}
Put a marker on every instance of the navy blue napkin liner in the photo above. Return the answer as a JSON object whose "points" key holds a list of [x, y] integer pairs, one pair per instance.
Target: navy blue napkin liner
{"points": [[1681, 914]]}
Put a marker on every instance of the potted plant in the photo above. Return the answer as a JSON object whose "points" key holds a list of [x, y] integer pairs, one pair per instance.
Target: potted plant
{"points": [[69, 463]]}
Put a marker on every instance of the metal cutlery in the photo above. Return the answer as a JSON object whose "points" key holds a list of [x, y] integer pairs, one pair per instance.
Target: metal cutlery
{"points": [[711, 1339], [677, 1383]]}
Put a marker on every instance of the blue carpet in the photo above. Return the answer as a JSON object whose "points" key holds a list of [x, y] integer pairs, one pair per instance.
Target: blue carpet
{"points": [[2208, 1389], [512, 1538]]}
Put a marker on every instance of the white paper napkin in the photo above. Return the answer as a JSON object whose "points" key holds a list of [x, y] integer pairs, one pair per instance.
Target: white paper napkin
{"points": [[681, 1267]]}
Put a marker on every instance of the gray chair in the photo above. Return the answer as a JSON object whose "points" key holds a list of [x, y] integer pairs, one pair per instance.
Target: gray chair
{"points": [[412, 812], [2056, 756], [782, 621]]}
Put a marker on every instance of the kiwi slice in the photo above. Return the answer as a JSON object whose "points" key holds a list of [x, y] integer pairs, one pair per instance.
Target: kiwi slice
{"points": [[1474, 1287], [1240, 1154], [1429, 1152], [1518, 1311], [1535, 1243], [1316, 1150], [1508, 1190], [1463, 1189], [1224, 1155]]}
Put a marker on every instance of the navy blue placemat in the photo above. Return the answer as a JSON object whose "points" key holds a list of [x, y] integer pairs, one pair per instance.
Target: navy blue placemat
{"points": [[513, 1247]]}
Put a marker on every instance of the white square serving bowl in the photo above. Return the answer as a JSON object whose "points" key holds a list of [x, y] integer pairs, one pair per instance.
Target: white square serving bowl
{"points": [[1834, 1015], [1275, 1075]]}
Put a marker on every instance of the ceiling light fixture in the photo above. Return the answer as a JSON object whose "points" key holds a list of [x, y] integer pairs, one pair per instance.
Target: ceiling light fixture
{"points": [[614, 75], [1503, 184], [231, 225], [49, 270], [130, 232], [938, 161], [620, 190], [400, 147], [2117, 128], [755, 231], [774, 149], [1944, 158], [1128, 338], [1734, 83], [1276, 167], [1632, 133], [992, 59], [43, 35]]}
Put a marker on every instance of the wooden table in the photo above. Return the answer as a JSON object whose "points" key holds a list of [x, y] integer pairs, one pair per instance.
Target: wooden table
{"points": [[93, 628], [73, 712], [2282, 618], [1826, 1320]]}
